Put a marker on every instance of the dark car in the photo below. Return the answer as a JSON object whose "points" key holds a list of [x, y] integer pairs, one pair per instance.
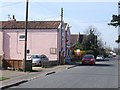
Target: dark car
{"points": [[88, 59]]}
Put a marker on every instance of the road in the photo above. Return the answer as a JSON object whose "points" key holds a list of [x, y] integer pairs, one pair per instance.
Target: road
{"points": [[102, 75]]}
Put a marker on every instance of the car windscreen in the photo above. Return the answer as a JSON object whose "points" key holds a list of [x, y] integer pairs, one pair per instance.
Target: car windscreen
{"points": [[100, 56], [88, 56], [35, 56]]}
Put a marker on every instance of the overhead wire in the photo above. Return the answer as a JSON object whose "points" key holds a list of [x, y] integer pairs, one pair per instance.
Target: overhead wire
{"points": [[12, 4]]}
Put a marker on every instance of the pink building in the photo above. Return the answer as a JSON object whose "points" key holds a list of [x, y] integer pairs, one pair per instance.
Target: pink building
{"points": [[44, 37], [1, 43], [1, 47]]}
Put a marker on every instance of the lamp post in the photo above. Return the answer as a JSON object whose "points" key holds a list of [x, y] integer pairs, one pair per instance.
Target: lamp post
{"points": [[25, 50]]}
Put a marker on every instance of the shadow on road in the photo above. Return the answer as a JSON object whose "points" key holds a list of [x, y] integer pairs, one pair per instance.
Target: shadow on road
{"points": [[97, 65], [102, 60], [104, 65]]}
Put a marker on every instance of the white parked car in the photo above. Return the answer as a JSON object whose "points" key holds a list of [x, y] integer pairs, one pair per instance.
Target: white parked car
{"points": [[37, 59], [99, 58], [114, 54]]}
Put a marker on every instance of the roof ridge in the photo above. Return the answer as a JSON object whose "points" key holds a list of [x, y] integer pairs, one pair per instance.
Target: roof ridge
{"points": [[31, 24], [30, 21]]}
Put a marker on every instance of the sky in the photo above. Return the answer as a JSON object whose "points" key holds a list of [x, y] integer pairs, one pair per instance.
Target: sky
{"points": [[79, 14]]}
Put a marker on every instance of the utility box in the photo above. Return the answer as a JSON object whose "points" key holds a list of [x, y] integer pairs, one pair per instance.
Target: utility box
{"points": [[29, 63]]}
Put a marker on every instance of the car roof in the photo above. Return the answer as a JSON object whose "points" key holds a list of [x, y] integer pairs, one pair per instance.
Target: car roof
{"points": [[35, 55], [88, 55], [100, 55]]}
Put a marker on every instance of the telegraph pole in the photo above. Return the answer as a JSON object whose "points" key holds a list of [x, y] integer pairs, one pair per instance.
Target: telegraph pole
{"points": [[25, 50], [118, 37], [61, 35]]}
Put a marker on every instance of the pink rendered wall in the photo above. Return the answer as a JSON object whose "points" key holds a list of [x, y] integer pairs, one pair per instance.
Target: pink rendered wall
{"points": [[1, 43], [39, 42], [11, 48]]}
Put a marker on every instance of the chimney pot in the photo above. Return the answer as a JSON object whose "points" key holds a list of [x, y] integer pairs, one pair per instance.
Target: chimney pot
{"points": [[13, 16]]}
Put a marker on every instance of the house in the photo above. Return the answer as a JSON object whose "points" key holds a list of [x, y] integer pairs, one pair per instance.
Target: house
{"points": [[44, 37], [75, 38], [1, 47]]}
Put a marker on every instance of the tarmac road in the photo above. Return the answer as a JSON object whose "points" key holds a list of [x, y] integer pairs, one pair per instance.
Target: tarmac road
{"points": [[102, 75]]}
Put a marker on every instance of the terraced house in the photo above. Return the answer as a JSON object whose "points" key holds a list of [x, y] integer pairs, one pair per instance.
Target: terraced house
{"points": [[44, 37]]}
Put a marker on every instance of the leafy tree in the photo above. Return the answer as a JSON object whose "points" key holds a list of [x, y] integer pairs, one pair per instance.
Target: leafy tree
{"points": [[116, 23], [118, 41], [90, 41]]}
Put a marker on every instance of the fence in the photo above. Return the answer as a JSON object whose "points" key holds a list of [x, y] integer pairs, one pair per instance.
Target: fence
{"points": [[18, 64], [12, 64]]}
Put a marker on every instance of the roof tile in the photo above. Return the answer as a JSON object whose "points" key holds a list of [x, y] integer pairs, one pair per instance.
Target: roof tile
{"points": [[31, 24]]}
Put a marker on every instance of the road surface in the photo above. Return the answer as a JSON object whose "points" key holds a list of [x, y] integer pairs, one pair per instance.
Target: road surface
{"points": [[102, 75]]}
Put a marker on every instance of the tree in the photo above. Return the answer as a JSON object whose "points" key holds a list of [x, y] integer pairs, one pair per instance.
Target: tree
{"points": [[100, 43], [93, 42], [90, 41], [116, 23], [118, 41]]}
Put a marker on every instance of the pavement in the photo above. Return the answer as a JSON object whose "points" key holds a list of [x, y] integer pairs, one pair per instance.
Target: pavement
{"points": [[18, 77]]}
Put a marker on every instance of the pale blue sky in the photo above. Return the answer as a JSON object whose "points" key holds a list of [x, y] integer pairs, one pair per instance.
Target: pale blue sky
{"points": [[80, 15]]}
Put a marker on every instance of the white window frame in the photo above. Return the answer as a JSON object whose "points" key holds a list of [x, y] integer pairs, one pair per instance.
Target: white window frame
{"points": [[53, 50]]}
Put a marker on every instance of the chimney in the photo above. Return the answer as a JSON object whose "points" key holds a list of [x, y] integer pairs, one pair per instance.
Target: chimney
{"points": [[14, 18], [11, 19]]}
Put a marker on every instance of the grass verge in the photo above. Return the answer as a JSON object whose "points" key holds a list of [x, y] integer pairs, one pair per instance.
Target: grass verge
{"points": [[3, 78]]}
